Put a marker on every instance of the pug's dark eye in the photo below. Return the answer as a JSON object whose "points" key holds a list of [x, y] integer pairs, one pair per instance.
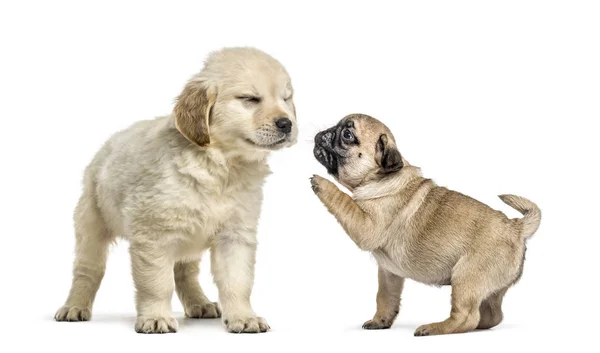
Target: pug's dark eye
{"points": [[347, 135], [249, 99]]}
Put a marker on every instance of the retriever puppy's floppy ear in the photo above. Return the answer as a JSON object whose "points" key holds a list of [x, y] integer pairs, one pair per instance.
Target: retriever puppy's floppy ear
{"points": [[388, 156], [192, 112]]}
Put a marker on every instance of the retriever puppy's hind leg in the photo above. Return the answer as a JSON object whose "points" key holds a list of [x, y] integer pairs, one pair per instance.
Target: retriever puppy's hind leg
{"points": [[388, 301], [195, 303], [91, 251], [490, 310]]}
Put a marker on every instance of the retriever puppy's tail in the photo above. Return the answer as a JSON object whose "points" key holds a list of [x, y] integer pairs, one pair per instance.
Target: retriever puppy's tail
{"points": [[532, 215]]}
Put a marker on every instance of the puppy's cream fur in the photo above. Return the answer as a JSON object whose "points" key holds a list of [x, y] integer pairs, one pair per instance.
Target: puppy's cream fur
{"points": [[181, 184], [416, 229]]}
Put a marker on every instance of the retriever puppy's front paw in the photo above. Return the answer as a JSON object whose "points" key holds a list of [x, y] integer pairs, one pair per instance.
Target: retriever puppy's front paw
{"points": [[205, 311], [73, 313], [147, 324], [253, 324], [377, 324]]}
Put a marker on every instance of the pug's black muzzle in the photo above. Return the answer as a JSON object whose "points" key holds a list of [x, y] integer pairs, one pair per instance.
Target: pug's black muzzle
{"points": [[324, 150]]}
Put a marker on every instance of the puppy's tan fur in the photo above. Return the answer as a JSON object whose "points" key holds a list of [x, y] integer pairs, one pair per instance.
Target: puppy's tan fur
{"points": [[181, 184], [416, 229]]}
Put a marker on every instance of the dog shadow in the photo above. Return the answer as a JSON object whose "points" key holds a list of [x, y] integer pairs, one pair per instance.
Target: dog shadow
{"points": [[411, 327], [129, 320], [216, 324], [102, 318]]}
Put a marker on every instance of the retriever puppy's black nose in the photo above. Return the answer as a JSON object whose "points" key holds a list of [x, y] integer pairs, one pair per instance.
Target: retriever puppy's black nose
{"points": [[284, 125]]}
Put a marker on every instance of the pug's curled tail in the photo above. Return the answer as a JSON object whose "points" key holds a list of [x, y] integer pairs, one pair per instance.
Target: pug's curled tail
{"points": [[532, 215]]}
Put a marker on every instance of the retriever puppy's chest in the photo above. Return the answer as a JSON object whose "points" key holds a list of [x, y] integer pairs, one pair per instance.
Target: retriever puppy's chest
{"points": [[209, 203], [152, 184], [221, 199]]}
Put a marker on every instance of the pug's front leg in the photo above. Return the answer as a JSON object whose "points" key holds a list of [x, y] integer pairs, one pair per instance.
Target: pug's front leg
{"points": [[232, 265], [388, 301], [358, 224]]}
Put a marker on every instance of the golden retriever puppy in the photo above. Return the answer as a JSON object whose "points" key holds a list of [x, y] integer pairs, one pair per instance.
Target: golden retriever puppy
{"points": [[184, 183], [416, 229]]}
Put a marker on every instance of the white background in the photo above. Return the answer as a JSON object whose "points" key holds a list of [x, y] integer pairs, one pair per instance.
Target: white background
{"points": [[487, 97]]}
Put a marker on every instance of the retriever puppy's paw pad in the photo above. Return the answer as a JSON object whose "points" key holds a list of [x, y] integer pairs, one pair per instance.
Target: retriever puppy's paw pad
{"points": [[205, 311], [427, 330], [145, 324], [247, 325], [377, 324], [73, 313]]}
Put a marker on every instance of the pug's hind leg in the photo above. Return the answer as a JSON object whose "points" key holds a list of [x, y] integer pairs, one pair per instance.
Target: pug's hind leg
{"points": [[464, 315], [470, 286], [490, 310], [388, 301]]}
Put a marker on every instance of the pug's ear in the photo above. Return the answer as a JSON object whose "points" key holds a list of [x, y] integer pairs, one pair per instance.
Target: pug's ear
{"points": [[388, 156], [192, 112]]}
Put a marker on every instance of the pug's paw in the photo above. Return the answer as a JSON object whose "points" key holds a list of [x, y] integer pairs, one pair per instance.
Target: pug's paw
{"points": [[314, 183], [377, 324], [429, 330], [320, 184]]}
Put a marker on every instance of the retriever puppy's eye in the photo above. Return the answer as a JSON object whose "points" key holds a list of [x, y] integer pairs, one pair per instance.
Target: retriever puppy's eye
{"points": [[287, 98], [347, 135], [249, 99]]}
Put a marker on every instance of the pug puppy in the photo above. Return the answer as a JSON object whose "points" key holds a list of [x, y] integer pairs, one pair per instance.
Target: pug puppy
{"points": [[418, 230]]}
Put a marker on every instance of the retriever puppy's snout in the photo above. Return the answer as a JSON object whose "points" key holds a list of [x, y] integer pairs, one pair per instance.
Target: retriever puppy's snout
{"points": [[284, 125]]}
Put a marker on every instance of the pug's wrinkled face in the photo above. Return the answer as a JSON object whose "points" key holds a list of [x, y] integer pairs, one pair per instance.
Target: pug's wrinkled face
{"points": [[358, 150]]}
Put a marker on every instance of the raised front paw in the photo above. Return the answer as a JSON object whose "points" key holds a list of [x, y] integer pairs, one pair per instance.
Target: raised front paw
{"points": [[146, 324], [314, 183], [253, 324], [319, 184], [73, 313]]}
